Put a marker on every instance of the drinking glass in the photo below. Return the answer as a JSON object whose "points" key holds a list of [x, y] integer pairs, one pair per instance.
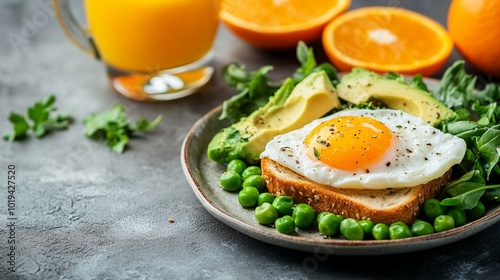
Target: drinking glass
{"points": [[152, 49]]}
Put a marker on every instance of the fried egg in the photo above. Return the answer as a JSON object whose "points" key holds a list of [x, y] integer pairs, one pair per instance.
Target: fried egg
{"points": [[367, 149]]}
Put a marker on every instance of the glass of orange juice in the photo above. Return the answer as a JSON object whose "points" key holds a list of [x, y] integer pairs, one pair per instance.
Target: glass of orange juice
{"points": [[152, 49]]}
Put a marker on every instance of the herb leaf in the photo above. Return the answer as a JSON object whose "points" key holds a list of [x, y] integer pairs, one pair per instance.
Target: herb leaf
{"points": [[490, 93], [465, 191], [416, 80], [253, 89], [20, 127], [114, 127], [456, 87], [316, 153], [41, 119], [308, 65], [476, 121], [145, 125], [488, 146]]}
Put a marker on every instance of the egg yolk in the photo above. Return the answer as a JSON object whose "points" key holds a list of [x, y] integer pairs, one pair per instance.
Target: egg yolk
{"points": [[349, 143]]}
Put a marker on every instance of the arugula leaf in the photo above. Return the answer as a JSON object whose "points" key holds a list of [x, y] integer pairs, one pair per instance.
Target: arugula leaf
{"points": [[476, 118], [488, 146], [469, 193], [40, 115], [306, 59], [490, 94], [471, 176], [468, 199], [457, 91], [491, 195], [416, 80], [114, 128], [253, 89], [464, 129], [456, 87], [468, 163], [486, 113], [281, 95], [465, 191], [308, 65]]}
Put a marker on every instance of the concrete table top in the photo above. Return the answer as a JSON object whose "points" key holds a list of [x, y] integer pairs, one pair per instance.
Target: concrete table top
{"points": [[84, 212]]}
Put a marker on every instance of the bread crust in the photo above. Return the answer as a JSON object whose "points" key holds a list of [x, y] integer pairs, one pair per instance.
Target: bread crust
{"points": [[380, 206]]}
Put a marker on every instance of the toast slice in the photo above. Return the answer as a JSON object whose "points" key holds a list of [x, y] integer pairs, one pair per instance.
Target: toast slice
{"points": [[380, 206]]}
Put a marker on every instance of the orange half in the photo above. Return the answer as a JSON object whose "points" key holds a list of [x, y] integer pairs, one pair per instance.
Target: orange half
{"points": [[279, 24], [386, 39]]}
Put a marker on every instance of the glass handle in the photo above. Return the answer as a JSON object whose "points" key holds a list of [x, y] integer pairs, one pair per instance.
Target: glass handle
{"points": [[73, 28]]}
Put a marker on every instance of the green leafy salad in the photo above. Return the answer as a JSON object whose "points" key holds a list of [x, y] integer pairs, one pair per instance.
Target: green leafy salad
{"points": [[475, 118]]}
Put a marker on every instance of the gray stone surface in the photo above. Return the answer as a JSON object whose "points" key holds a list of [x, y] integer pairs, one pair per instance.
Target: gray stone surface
{"points": [[86, 213]]}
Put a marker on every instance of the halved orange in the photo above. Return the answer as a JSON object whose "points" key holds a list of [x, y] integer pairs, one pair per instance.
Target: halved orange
{"points": [[279, 24], [387, 39]]}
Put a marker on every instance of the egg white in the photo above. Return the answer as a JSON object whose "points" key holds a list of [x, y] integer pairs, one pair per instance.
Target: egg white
{"points": [[420, 153]]}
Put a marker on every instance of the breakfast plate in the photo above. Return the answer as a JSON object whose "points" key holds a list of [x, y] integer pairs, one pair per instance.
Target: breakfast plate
{"points": [[203, 176]]}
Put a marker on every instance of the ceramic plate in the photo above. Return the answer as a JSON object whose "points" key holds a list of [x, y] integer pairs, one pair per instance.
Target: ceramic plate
{"points": [[203, 176]]}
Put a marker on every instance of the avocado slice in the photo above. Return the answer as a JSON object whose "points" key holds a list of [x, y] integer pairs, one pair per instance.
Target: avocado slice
{"points": [[310, 99], [361, 85]]}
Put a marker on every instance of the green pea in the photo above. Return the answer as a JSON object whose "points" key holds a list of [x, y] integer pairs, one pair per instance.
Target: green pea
{"points": [[477, 211], [398, 223], [421, 227], [329, 224], [458, 215], [230, 181], [443, 222], [433, 208], [248, 197], [251, 170], [236, 165], [367, 226], [284, 205], [380, 231], [285, 224], [265, 197], [320, 216], [399, 230], [256, 181], [303, 215], [265, 214], [351, 229]]}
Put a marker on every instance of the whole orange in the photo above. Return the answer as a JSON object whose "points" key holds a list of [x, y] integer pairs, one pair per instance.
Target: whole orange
{"points": [[474, 26]]}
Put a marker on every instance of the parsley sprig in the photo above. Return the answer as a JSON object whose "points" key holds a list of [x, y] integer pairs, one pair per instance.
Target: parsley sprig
{"points": [[39, 118], [114, 128]]}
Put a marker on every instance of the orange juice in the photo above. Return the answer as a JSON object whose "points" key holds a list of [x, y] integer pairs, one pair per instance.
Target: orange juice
{"points": [[152, 35]]}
